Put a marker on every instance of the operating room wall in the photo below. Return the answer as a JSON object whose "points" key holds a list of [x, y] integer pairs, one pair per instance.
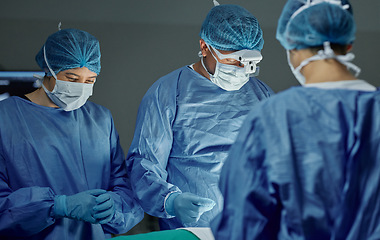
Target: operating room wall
{"points": [[137, 53]]}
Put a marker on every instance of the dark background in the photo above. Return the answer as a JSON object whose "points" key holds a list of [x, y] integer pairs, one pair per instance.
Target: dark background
{"points": [[142, 40]]}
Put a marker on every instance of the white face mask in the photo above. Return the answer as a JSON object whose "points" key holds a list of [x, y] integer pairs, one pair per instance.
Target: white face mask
{"points": [[228, 77], [68, 95], [231, 77]]}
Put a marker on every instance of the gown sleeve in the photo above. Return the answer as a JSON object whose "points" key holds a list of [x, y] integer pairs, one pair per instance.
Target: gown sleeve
{"points": [[148, 155], [26, 211], [127, 210]]}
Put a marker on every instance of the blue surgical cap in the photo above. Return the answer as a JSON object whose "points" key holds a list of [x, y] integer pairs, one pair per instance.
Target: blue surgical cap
{"points": [[70, 48], [328, 21], [232, 27]]}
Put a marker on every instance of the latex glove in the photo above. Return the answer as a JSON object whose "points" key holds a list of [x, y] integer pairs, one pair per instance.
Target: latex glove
{"points": [[188, 207], [105, 208], [79, 206]]}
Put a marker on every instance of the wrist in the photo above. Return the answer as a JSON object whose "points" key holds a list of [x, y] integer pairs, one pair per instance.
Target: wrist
{"points": [[169, 203], [60, 208]]}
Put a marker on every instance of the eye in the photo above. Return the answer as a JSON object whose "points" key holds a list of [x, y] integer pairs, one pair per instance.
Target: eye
{"points": [[230, 61], [90, 81], [71, 79]]}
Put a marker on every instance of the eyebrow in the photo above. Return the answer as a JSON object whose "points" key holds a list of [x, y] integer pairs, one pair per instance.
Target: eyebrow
{"points": [[69, 73]]}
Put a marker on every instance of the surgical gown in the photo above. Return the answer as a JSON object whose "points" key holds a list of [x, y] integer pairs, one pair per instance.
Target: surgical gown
{"points": [[46, 152], [185, 127], [306, 165]]}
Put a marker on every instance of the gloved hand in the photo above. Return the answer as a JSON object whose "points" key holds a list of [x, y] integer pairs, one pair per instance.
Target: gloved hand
{"points": [[89, 206], [187, 207], [105, 208]]}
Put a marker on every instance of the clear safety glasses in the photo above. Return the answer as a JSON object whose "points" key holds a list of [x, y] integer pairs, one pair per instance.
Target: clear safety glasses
{"points": [[246, 58]]}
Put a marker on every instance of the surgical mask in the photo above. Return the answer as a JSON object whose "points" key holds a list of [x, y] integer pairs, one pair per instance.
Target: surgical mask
{"points": [[228, 77], [326, 53], [231, 77], [68, 95]]}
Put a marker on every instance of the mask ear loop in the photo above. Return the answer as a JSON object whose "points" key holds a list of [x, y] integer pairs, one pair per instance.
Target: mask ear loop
{"points": [[328, 53], [48, 65], [343, 59], [51, 71], [209, 47], [217, 62], [203, 65], [201, 56]]}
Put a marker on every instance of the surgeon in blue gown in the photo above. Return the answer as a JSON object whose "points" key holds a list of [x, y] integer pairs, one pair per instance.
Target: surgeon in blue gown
{"points": [[62, 170], [189, 118], [306, 163]]}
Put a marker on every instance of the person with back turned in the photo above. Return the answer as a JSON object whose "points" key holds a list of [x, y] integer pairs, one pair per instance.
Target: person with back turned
{"points": [[306, 163]]}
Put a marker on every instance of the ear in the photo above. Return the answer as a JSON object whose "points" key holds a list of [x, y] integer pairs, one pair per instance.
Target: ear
{"points": [[203, 47], [292, 51], [298, 55], [349, 47]]}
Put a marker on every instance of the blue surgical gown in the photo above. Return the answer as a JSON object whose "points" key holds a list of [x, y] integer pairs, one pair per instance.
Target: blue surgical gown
{"points": [[306, 165], [46, 152], [185, 127]]}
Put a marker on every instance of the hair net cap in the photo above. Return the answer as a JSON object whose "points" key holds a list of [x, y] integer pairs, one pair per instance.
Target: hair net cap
{"points": [[232, 27], [322, 21], [68, 49]]}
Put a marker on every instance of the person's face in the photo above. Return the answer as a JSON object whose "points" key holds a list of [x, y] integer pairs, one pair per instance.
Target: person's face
{"points": [[79, 75], [210, 61]]}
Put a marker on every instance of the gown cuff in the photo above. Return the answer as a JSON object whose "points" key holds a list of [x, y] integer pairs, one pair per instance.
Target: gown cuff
{"points": [[169, 203], [60, 208]]}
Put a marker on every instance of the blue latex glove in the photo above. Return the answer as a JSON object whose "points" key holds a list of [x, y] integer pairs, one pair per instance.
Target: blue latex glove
{"points": [[79, 206], [105, 208], [187, 207]]}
